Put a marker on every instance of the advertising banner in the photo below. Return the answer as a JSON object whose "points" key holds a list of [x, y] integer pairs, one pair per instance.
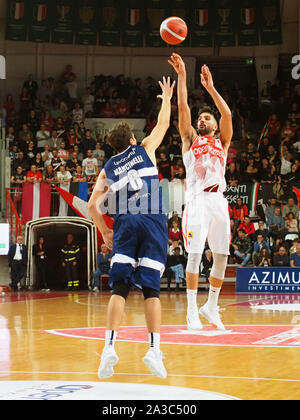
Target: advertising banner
{"points": [[268, 280]]}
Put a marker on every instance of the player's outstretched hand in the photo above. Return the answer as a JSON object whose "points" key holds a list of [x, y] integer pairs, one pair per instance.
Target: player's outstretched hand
{"points": [[108, 239], [206, 78], [167, 88], [177, 63]]}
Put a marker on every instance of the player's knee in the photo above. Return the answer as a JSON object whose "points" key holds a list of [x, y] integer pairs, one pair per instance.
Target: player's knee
{"points": [[149, 293], [193, 263], [121, 289], [219, 266]]}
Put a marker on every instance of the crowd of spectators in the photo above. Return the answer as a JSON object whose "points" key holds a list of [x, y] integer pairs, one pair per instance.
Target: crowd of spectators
{"points": [[49, 142], [274, 241]]}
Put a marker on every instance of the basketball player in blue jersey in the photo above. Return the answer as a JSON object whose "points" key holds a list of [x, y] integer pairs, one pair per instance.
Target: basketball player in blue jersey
{"points": [[129, 182]]}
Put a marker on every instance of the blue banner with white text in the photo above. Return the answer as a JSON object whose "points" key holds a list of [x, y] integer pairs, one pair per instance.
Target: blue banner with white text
{"points": [[268, 280]]}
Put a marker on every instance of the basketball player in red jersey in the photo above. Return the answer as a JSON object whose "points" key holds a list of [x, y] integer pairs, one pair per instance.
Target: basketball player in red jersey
{"points": [[206, 212]]}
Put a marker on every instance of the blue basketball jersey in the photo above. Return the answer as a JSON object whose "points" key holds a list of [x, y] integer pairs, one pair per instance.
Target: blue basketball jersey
{"points": [[134, 183]]}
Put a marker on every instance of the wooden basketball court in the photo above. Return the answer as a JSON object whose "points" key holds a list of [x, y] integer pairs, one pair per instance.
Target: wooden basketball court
{"points": [[58, 336]]}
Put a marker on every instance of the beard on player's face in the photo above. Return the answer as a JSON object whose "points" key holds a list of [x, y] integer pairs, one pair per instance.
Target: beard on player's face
{"points": [[206, 128]]}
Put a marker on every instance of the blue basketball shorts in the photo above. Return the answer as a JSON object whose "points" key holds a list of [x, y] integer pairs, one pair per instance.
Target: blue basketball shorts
{"points": [[140, 244]]}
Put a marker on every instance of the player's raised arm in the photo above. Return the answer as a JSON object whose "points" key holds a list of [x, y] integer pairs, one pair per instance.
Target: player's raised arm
{"points": [[97, 198], [226, 129], [153, 141], [187, 131]]}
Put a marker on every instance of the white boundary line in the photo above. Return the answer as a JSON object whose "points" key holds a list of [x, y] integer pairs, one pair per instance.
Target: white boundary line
{"points": [[179, 375]]}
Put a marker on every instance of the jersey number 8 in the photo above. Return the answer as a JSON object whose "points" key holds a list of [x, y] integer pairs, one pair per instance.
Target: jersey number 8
{"points": [[135, 180]]}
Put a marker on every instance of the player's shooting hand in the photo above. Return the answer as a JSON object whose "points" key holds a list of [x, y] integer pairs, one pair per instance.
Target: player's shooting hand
{"points": [[167, 88], [206, 78], [177, 63]]}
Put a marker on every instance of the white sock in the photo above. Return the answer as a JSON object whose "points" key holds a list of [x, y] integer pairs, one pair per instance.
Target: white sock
{"points": [[154, 340], [110, 338], [213, 296], [191, 300]]}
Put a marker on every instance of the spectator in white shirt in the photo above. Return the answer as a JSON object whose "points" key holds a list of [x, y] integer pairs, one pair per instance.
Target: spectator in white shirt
{"points": [[42, 137], [88, 101], [90, 164]]}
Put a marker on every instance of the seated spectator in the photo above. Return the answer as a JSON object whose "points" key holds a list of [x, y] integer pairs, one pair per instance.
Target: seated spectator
{"points": [[232, 175], [175, 264], [122, 110], [231, 154], [175, 233], [290, 207], [276, 224], [251, 172], [164, 166], [46, 155], [33, 122], [248, 227], [207, 261], [180, 174], [90, 165], [267, 172], [22, 161], [258, 245], [239, 211], [30, 152], [79, 176], [88, 142], [103, 259], [10, 136], [72, 163], [42, 137], [287, 130], [73, 139], [281, 259], [107, 111], [24, 136], [48, 121], [49, 176], [9, 105], [271, 205], [233, 229], [261, 230], [242, 248], [56, 161], [34, 175], [295, 258], [293, 247], [88, 101], [99, 155], [77, 113], [38, 162], [54, 140], [175, 244], [264, 259], [174, 217], [291, 224], [18, 178], [62, 152]]}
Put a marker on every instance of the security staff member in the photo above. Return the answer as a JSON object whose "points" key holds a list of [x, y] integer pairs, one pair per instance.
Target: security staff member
{"points": [[70, 254]]}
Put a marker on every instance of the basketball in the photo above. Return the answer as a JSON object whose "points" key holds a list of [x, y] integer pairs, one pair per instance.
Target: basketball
{"points": [[173, 30]]}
